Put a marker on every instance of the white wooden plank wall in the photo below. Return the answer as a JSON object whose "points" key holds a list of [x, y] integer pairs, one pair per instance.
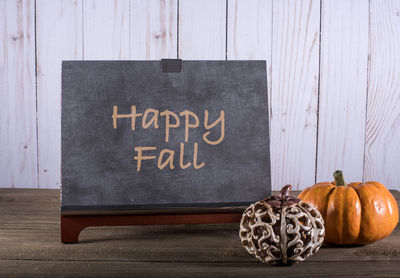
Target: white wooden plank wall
{"points": [[153, 29], [58, 37], [294, 96], [382, 144], [18, 135], [333, 75], [106, 30], [343, 88], [202, 29]]}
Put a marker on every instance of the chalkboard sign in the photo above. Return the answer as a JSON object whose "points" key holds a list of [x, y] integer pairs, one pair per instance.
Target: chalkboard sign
{"points": [[135, 137]]}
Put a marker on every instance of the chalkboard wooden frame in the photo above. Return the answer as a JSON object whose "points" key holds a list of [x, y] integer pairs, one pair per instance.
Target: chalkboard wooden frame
{"points": [[74, 217], [249, 75], [72, 225]]}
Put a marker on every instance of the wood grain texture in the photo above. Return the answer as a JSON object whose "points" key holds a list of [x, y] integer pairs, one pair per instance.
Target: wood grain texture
{"points": [[18, 136], [250, 33], [14, 268], [153, 29], [343, 88], [249, 30], [106, 29], [294, 97], [382, 148], [29, 229], [59, 37], [202, 29], [283, 32]]}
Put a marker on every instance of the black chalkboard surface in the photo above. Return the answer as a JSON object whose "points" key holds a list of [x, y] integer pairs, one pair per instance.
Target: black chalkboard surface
{"points": [[137, 138]]}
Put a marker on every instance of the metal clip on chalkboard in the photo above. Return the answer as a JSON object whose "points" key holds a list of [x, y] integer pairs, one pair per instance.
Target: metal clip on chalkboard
{"points": [[171, 65]]}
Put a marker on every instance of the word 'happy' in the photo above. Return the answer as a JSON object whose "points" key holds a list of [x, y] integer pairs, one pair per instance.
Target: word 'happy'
{"points": [[151, 118]]}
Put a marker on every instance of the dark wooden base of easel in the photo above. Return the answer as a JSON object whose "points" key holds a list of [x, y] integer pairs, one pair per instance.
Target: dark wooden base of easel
{"points": [[72, 225]]}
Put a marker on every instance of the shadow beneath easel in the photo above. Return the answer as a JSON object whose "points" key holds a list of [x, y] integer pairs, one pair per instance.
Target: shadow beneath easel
{"points": [[153, 232]]}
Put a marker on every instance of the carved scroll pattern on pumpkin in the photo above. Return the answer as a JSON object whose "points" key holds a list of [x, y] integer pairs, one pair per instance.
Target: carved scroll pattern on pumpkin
{"points": [[257, 232], [305, 231], [288, 235]]}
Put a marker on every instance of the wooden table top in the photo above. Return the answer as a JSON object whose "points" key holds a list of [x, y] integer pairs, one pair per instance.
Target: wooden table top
{"points": [[30, 246]]}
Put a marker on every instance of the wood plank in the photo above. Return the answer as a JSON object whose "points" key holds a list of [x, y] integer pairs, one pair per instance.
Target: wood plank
{"points": [[72, 268], [59, 37], [382, 146], [250, 30], [153, 29], [18, 136], [250, 36], [202, 29], [106, 29], [212, 243], [343, 88], [31, 218], [294, 97]]}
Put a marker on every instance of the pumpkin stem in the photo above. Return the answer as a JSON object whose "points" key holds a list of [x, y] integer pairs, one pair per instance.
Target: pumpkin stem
{"points": [[285, 191], [338, 175]]}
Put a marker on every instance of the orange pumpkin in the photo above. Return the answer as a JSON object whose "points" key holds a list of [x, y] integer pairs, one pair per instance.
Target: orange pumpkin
{"points": [[355, 213]]}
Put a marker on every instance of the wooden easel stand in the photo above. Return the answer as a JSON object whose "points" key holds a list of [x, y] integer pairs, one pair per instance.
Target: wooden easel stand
{"points": [[72, 225]]}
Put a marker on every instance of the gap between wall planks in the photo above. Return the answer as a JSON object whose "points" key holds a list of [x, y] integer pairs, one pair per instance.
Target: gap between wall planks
{"points": [[308, 71]]}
